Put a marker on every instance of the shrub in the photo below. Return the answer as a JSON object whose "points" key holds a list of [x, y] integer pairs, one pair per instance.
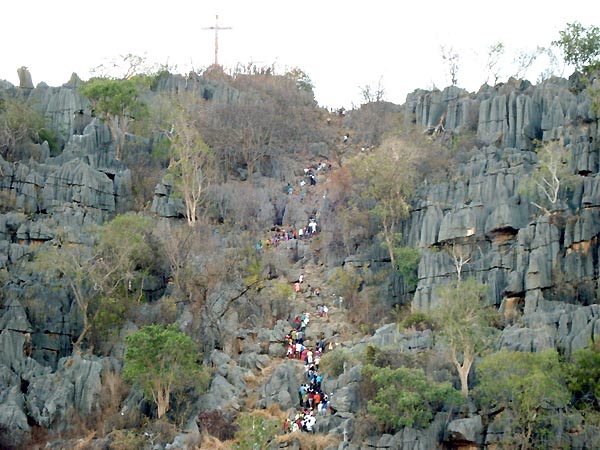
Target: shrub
{"points": [[332, 363], [218, 425], [417, 320], [406, 397], [583, 376]]}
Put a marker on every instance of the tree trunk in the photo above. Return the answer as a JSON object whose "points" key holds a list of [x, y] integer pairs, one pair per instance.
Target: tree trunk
{"points": [[161, 398], [463, 370]]}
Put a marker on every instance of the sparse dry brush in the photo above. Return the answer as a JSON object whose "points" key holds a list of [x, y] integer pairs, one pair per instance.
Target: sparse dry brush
{"points": [[308, 441]]}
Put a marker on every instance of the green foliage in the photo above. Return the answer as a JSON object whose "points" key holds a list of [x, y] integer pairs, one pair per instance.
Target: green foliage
{"points": [[346, 283], [417, 320], [118, 103], [254, 269], [332, 363], [281, 290], [464, 322], [114, 97], [385, 181], [406, 397], [583, 376], [48, 135], [407, 263], [20, 122], [530, 385], [162, 361], [255, 431], [127, 440], [301, 78], [127, 244], [580, 46]]}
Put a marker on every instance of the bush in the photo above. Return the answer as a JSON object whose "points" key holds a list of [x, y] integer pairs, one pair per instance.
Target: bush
{"points": [[126, 440], [218, 425], [406, 397], [583, 377], [417, 320], [332, 363]]}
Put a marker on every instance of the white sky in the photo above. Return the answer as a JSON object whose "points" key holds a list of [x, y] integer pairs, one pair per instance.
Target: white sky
{"points": [[343, 45]]}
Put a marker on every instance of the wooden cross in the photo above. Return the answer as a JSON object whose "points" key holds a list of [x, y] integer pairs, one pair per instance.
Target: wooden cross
{"points": [[216, 28]]}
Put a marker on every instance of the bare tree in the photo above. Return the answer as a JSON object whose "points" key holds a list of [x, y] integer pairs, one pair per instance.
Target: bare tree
{"points": [[451, 59], [191, 159], [492, 63], [552, 173], [372, 94]]}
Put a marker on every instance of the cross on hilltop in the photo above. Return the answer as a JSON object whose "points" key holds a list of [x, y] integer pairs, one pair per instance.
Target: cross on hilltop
{"points": [[216, 28]]}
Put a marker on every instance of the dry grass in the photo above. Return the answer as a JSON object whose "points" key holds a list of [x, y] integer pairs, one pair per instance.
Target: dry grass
{"points": [[212, 443], [309, 441], [83, 443]]}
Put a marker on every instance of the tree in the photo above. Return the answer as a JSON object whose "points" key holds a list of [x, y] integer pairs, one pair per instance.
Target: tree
{"points": [[583, 376], [160, 361], [551, 175], [19, 123], [372, 94], [73, 264], [126, 247], [117, 103], [406, 397], [301, 78], [492, 64], [266, 115], [191, 160], [463, 321], [529, 385], [385, 179], [580, 46], [451, 59]]}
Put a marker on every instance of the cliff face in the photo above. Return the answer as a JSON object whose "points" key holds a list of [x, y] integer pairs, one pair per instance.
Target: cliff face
{"points": [[535, 264]]}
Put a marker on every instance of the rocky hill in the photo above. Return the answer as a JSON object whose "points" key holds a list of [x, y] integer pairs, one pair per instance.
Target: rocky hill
{"points": [[542, 270]]}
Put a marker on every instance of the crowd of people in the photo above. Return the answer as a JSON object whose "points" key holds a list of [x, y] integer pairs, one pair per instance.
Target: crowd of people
{"points": [[312, 401]]}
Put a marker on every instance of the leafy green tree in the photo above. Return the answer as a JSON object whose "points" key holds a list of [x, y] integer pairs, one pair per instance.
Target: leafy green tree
{"points": [[118, 104], [583, 376], [530, 385], [406, 397], [20, 122], [463, 321], [407, 263], [126, 247], [385, 180], [161, 361], [580, 46]]}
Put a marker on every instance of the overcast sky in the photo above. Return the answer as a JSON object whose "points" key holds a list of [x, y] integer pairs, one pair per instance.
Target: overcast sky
{"points": [[343, 45]]}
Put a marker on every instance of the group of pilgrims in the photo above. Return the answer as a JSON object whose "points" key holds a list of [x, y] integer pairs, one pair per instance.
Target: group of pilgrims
{"points": [[312, 401]]}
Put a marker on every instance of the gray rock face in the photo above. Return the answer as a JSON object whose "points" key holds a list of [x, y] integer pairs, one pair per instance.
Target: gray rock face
{"points": [[468, 430], [282, 386]]}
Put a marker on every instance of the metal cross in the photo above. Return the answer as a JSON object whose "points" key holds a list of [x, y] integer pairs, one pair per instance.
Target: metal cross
{"points": [[216, 28]]}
